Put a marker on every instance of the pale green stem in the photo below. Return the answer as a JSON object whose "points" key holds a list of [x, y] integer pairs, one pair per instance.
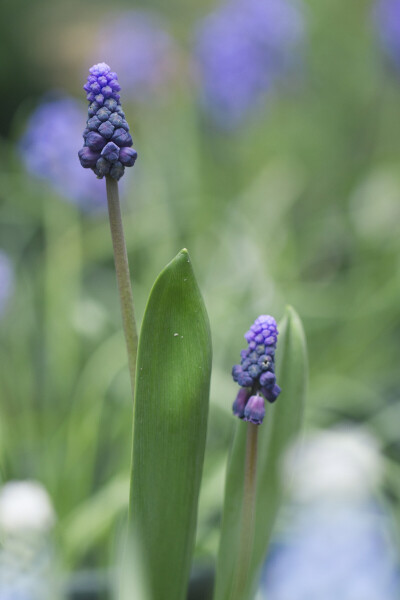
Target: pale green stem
{"points": [[123, 276], [246, 540]]}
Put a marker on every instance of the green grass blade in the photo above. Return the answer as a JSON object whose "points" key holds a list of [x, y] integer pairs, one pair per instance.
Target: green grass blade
{"points": [[281, 425], [170, 421]]}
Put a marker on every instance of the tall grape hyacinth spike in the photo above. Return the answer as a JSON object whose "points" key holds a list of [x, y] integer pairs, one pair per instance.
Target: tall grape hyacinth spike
{"points": [[107, 151], [107, 148], [256, 372]]}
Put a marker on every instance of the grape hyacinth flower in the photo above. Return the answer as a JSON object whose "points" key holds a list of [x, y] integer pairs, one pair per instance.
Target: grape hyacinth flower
{"points": [[387, 19], [108, 144], [107, 151], [243, 49], [152, 58], [48, 148], [256, 372], [256, 377]]}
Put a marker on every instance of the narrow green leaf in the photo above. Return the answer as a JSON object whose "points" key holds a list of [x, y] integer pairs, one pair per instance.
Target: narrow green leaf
{"points": [[281, 425], [170, 421]]}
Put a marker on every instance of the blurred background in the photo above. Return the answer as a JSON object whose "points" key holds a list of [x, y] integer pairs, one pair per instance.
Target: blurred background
{"points": [[268, 135]]}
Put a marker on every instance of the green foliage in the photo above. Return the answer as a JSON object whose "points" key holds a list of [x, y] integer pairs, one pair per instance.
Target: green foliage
{"points": [[301, 205], [281, 425], [170, 422]]}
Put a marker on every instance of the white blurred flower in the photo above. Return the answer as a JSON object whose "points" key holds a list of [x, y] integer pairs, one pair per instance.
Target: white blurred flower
{"points": [[89, 317], [336, 464], [25, 506], [375, 205]]}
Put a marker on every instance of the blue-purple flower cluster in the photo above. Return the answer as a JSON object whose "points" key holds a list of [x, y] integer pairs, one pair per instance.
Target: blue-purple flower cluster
{"points": [[256, 372], [387, 20], [48, 148], [334, 551], [244, 47], [108, 144]]}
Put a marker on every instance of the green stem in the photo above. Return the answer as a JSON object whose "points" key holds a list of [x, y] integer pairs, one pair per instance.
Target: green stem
{"points": [[246, 539], [123, 276]]}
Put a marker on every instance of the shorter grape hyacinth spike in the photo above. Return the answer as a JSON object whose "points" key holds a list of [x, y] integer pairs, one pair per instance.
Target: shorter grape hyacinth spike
{"points": [[107, 148], [256, 372]]}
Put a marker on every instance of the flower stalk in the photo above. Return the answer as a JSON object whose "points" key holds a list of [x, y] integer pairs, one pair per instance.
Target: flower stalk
{"points": [[123, 276], [246, 539]]}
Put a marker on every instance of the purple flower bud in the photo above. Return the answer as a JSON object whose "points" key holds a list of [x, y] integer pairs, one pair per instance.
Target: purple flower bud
{"points": [[236, 370], [87, 157], [106, 121], [99, 70], [114, 85], [110, 152], [94, 88], [116, 120], [93, 108], [106, 129], [122, 137], [265, 362], [103, 113], [240, 403], [102, 167], [93, 123], [254, 371], [106, 91], [254, 411], [111, 104], [267, 380], [117, 170], [245, 379], [127, 156], [95, 141], [271, 395]]}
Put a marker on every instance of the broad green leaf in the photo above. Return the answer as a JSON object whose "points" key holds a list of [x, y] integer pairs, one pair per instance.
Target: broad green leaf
{"points": [[170, 421], [132, 582], [282, 423]]}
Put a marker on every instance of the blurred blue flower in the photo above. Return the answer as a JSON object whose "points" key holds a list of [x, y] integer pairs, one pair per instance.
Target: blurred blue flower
{"points": [[387, 18], [139, 47], [49, 148], [242, 49], [6, 281], [338, 544], [334, 552]]}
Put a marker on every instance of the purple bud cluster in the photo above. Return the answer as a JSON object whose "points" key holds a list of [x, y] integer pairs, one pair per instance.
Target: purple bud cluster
{"points": [[244, 48], [256, 372], [386, 15], [107, 146]]}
